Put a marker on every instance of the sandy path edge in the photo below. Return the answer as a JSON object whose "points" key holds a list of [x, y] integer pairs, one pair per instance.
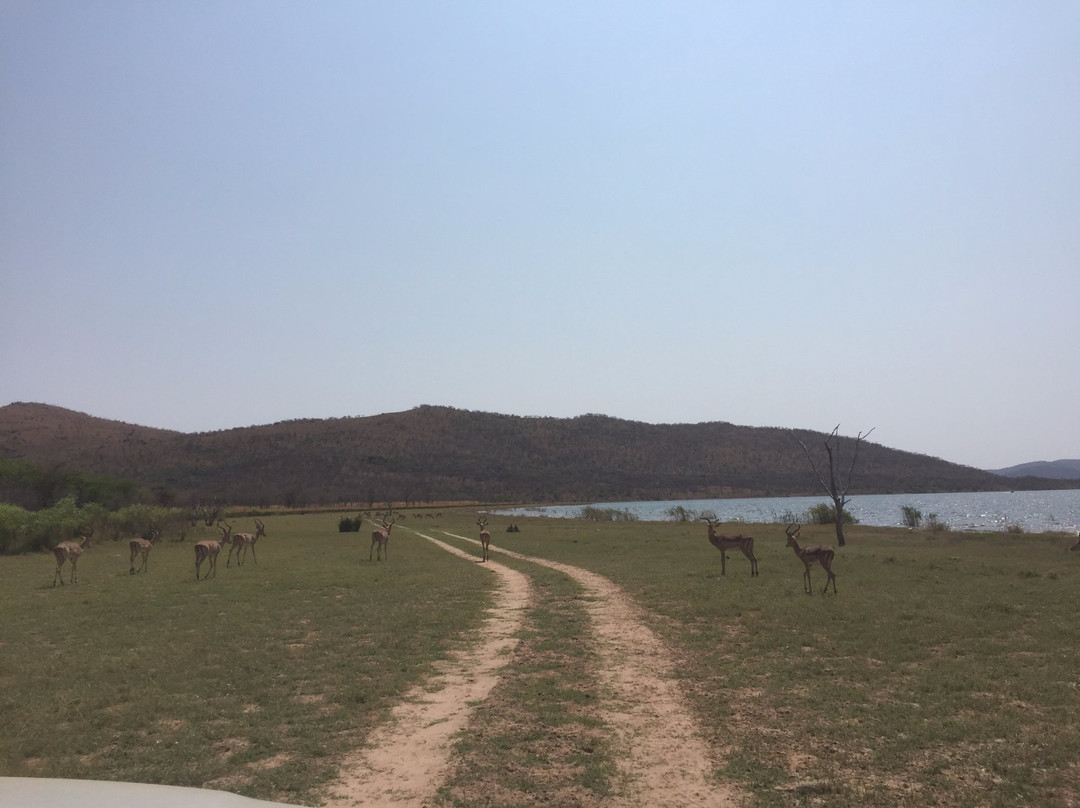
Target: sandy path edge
{"points": [[405, 760], [665, 762]]}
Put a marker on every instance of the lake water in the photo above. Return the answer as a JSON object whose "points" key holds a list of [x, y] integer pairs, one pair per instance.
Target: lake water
{"points": [[1033, 511]]}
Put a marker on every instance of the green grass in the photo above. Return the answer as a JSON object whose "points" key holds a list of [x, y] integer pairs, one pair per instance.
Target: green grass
{"points": [[945, 672], [255, 681]]}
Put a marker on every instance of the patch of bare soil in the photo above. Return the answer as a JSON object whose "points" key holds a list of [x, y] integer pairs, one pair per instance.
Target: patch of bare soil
{"points": [[405, 761]]}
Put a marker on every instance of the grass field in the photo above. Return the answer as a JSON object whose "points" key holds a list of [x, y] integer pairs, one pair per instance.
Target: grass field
{"points": [[945, 672]]}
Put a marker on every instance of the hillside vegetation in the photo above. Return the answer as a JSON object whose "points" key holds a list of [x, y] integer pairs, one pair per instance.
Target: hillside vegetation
{"points": [[440, 454]]}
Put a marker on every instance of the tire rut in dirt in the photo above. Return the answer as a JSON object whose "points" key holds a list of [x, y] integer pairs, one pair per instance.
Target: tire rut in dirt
{"points": [[405, 760], [664, 759]]}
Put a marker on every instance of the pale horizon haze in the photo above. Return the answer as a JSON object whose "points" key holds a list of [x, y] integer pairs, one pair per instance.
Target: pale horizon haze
{"points": [[224, 214]]}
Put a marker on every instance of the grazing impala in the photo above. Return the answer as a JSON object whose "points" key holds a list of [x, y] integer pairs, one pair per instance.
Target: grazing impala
{"points": [[141, 546], [380, 538], [208, 549], [485, 536], [724, 543], [70, 551], [809, 556], [242, 541]]}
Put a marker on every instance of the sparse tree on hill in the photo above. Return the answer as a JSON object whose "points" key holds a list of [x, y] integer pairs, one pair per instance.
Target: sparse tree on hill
{"points": [[835, 485]]}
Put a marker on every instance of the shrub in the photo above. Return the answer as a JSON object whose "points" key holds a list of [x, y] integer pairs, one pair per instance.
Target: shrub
{"points": [[135, 520], [47, 528], [350, 524], [911, 516], [14, 524], [825, 514], [596, 514], [936, 525], [677, 513]]}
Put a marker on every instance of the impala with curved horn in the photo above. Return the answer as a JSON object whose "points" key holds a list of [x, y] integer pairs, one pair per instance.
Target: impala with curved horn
{"points": [[745, 544], [485, 536], [380, 539], [242, 541], [141, 546], [208, 549], [821, 554]]}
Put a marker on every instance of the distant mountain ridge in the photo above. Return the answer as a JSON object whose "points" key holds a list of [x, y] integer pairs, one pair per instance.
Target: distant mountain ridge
{"points": [[441, 454], [1047, 469]]}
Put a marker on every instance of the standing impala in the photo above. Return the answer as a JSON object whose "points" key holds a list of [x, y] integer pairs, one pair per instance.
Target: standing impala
{"points": [[242, 541], [141, 546], [208, 549], [724, 543], [380, 538], [70, 551], [809, 556], [485, 536]]}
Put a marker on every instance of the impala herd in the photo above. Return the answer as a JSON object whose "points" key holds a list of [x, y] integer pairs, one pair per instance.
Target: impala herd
{"points": [[206, 550]]}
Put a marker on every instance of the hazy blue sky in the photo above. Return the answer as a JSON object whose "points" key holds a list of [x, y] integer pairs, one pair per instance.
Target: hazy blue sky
{"points": [[225, 213]]}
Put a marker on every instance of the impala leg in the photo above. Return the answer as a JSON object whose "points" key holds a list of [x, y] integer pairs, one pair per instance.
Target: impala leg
{"points": [[253, 558], [753, 561], [830, 578]]}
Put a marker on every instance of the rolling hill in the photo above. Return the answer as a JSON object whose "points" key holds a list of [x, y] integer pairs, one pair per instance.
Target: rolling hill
{"points": [[441, 454], [1047, 469]]}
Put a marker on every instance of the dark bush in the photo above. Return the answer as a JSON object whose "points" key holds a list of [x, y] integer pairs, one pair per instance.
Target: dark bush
{"points": [[350, 524]]}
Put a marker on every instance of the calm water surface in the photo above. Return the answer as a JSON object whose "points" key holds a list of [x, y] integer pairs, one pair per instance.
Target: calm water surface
{"points": [[1033, 511]]}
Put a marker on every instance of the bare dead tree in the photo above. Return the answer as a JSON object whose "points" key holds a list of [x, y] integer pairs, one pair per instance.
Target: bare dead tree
{"points": [[835, 485]]}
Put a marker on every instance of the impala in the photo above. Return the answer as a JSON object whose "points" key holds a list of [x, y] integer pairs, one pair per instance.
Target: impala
{"points": [[242, 541], [141, 546], [380, 537], [725, 543], [208, 549], [485, 536], [70, 551], [809, 556]]}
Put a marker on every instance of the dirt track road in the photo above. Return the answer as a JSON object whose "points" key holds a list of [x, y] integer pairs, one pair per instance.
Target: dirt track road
{"points": [[662, 759]]}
